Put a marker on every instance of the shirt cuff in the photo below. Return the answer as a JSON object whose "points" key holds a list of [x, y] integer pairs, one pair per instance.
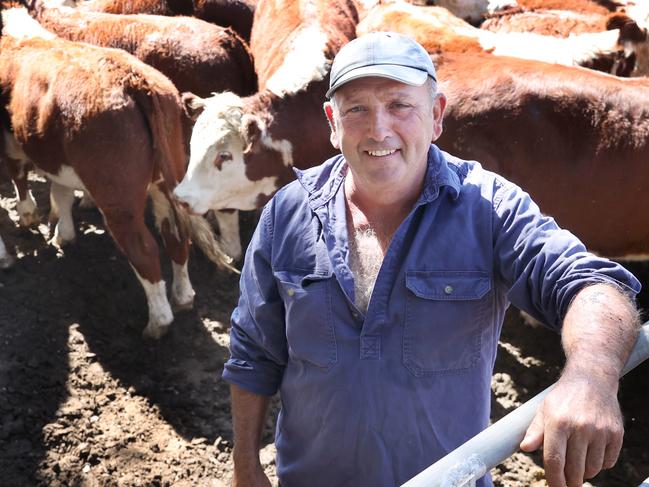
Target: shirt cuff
{"points": [[253, 379]]}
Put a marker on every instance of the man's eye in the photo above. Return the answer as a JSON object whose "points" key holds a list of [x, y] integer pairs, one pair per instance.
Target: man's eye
{"points": [[400, 105], [355, 109]]}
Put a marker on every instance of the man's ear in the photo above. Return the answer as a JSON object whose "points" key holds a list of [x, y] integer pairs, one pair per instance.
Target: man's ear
{"points": [[439, 105], [329, 112]]}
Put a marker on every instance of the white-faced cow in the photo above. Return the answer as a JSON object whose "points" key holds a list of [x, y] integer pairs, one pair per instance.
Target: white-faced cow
{"points": [[101, 121], [244, 149], [197, 56], [620, 50], [578, 140]]}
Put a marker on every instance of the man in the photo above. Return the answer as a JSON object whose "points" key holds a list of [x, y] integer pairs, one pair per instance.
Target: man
{"points": [[374, 290]]}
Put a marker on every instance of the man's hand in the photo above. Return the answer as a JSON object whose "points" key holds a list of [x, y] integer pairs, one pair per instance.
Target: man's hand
{"points": [[253, 476], [248, 414], [580, 427], [579, 423]]}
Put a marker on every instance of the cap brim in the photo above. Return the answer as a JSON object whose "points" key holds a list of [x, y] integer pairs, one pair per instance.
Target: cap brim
{"points": [[404, 74]]}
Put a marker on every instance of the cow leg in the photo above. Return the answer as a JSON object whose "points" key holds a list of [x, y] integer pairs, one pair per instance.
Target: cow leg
{"points": [[19, 164], [228, 222], [182, 292], [6, 259], [61, 201], [26, 206], [86, 201], [129, 230]]}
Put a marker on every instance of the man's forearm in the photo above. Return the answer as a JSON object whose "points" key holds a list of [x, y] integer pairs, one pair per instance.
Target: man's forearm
{"points": [[579, 423], [599, 331], [248, 414]]}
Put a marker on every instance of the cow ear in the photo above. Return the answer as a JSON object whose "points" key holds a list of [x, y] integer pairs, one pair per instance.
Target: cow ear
{"points": [[251, 132], [630, 31], [192, 104]]}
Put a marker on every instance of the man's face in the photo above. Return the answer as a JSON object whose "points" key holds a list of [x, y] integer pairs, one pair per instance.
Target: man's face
{"points": [[384, 129]]}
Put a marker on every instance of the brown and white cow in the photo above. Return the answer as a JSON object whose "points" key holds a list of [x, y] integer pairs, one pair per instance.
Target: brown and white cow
{"points": [[244, 149], [99, 120], [622, 51], [575, 139], [197, 56], [237, 14], [633, 61]]}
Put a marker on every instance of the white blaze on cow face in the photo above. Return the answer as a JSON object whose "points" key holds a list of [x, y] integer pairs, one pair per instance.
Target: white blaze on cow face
{"points": [[216, 176]]}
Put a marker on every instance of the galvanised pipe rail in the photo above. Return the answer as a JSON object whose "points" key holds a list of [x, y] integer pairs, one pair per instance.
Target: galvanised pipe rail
{"points": [[480, 454]]}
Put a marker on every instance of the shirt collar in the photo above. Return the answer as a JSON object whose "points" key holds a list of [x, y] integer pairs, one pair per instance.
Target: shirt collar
{"points": [[323, 182]]}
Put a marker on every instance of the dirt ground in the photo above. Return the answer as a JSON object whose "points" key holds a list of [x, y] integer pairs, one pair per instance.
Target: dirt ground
{"points": [[84, 401]]}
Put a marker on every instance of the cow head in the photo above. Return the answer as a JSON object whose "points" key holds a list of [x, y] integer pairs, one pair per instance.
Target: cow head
{"points": [[219, 175]]}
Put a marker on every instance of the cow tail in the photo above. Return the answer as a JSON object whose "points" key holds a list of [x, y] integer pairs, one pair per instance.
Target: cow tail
{"points": [[163, 114]]}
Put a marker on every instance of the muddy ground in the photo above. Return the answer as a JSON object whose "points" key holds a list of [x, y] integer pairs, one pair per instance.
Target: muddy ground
{"points": [[84, 401]]}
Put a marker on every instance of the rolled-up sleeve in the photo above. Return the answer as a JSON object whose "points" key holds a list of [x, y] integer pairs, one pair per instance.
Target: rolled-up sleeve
{"points": [[542, 265], [258, 351]]}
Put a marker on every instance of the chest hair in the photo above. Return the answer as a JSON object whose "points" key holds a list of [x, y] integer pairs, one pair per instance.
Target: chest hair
{"points": [[365, 259]]}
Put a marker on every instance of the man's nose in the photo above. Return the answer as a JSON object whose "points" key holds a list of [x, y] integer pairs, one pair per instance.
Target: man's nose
{"points": [[378, 125]]}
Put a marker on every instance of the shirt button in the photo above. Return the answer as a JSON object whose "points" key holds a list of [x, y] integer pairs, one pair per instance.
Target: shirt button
{"points": [[291, 292], [448, 289]]}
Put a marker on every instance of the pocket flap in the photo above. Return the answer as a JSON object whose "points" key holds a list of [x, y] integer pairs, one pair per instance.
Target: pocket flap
{"points": [[448, 285], [301, 278]]}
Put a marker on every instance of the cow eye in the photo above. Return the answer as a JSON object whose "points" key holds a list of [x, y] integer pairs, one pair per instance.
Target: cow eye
{"points": [[221, 157], [224, 155]]}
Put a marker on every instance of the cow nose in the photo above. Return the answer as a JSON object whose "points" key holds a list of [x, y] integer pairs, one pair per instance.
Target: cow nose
{"points": [[180, 200]]}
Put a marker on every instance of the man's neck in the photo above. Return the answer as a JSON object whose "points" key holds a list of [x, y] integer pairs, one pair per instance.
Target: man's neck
{"points": [[381, 212]]}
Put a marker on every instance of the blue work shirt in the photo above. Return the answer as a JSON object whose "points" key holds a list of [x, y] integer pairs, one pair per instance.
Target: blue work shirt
{"points": [[371, 400]]}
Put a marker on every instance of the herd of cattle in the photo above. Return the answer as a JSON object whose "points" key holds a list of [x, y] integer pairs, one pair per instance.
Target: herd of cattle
{"points": [[209, 105]]}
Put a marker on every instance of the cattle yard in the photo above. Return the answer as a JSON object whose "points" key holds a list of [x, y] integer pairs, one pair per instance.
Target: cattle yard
{"points": [[86, 400]]}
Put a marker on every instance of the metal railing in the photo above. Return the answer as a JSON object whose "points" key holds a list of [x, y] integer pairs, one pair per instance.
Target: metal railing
{"points": [[472, 460]]}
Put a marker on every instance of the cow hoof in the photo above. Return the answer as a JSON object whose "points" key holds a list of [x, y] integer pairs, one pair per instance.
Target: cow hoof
{"points": [[155, 332], [186, 306], [60, 241], [7, 261]]}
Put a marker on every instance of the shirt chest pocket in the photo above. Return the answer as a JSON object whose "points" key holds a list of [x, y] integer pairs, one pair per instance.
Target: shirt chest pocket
{"points": [[309, 321], [445, 315]]}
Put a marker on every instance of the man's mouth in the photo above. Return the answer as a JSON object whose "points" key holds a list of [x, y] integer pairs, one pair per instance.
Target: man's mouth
{"points": [[380, 153]]}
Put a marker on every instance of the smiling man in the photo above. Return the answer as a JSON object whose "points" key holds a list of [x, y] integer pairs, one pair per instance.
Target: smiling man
{"points": [[374, 290]]}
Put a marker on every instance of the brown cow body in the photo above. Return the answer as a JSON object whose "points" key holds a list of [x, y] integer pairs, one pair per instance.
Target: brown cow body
{"points": [[197, 56], [576, 140], [99, 120], [237, 14]]}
